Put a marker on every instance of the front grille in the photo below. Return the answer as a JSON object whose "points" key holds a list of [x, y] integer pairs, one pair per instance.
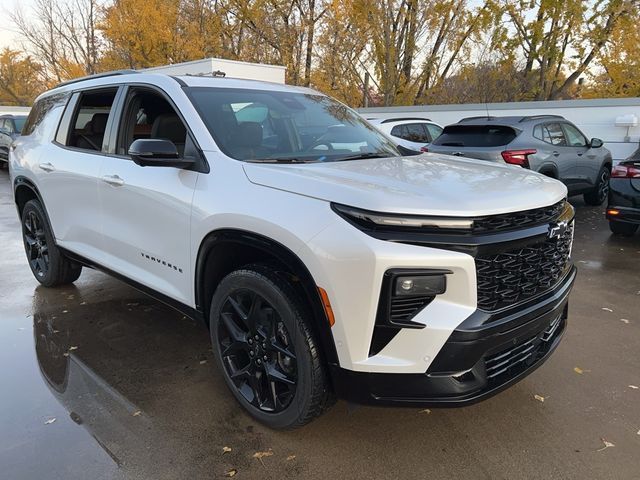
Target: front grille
{"points": [[405, 308], [517, 220], [514, 359], [513, 276]]}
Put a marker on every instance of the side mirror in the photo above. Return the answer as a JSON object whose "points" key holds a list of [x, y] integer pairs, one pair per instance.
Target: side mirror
{"points": [[153, 152], [595, 143]]}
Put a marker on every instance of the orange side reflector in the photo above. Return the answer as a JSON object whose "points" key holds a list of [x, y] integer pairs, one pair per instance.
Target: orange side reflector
{"points": [[613, 211], [327, 306]]}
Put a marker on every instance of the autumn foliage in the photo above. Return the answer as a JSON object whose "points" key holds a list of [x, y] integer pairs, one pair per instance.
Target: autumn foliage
{"points": [[406, 51]]}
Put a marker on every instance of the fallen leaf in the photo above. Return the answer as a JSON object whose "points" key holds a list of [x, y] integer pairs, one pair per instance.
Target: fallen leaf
{"points": [[50, 421], [231, 473], [624, 320], [426, 410], [66, 354], [137, 413], [638, 432], [292, 457], [607, 309], [71, 349], [83, 303], [635, 387], [226, 450], [65, 311], [539, 398], [580, 371], [202, 362], [606, 445], [260, 455]]}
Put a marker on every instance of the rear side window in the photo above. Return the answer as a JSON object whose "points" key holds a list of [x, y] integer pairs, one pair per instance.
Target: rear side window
{"points": [[413, 132], [476, 136], [89, 122], [551, 133], [40, 110], [434, 130]]}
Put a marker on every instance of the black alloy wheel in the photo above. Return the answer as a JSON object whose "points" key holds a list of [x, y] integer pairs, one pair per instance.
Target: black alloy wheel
{"points": [[35, 242], [601, 191], [257, 351], [265, 348]]}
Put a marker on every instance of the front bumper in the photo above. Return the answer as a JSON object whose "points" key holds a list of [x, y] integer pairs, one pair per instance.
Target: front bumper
{"points": [[484, 355]]}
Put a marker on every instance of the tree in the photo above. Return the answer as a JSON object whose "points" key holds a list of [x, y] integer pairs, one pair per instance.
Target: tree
{"points": [[62, 36], [559, 39], [19, 73]]}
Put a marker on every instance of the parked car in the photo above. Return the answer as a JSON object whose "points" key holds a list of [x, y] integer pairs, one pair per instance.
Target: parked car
{"points": [[623, 209], [548, 144], [323, 262], [412, 133], [10, 128]]}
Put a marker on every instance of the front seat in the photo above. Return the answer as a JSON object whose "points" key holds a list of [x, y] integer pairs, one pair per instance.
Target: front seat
{"points": [[246, 141], [93, 135], [168, 126]]}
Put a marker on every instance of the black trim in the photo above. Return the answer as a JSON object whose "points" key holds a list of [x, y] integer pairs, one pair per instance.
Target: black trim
{"points": [[175, 304], [271, 249], [458, 375], [21, 181], [96, 76], [401, 119]]}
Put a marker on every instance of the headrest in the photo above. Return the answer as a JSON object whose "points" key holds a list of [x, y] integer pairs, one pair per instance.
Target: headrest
{"points": [[98, 123], [170, 127]]}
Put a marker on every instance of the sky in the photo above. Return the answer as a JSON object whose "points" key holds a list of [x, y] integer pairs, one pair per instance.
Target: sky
{"points": [[8, 37]]}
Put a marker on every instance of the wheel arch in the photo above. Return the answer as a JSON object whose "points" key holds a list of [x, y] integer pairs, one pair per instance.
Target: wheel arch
{"points": [[550, 170], [25, 190], [225, 250]]}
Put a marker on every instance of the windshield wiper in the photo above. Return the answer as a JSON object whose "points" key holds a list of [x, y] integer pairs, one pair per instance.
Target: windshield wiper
{"points": [[362, 156], [280, 160]]}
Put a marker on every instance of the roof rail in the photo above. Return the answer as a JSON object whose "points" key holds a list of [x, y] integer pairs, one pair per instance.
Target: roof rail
{"points": [[97, 75], [479, 117], [400, 119], [536, 117]]}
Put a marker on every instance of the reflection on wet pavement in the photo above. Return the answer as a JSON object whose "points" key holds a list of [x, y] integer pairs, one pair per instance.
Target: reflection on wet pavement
{"points": [[134, 391]]}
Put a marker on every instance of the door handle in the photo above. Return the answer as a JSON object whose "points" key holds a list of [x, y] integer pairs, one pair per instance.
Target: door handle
{"points": [[556, 154], [47, 167], [114, 180]]}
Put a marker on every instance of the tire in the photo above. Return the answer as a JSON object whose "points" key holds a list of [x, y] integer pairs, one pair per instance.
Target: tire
{"points": [[48, 265], [600, 192], [622, 228], [265, 349]]}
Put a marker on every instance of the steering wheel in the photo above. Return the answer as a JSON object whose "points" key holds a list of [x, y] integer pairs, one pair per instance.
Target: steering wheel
{"points": [[318, 143]]}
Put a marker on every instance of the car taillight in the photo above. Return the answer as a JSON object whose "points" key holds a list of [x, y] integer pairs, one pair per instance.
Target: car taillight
{"points": [[625, 171], [424, 149], [518, 157]]}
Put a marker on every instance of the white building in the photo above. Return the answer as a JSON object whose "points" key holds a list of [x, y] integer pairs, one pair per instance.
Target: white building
{"points": [[613, 120], [230, 68]]}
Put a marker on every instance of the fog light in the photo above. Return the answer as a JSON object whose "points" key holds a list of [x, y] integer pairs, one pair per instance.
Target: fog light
{"points": [[424, 285]]}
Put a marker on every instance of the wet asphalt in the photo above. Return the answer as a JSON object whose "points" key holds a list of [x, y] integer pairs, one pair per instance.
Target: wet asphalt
{"points": [[99, 381]]}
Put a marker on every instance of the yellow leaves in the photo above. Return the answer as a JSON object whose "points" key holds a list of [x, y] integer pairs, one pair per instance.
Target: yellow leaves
{"points": [[539, 398], [226, 450], [231, 473], [606, 445]]}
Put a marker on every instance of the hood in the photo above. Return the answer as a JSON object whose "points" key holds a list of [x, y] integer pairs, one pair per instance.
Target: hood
{"points": [[428, 184]]}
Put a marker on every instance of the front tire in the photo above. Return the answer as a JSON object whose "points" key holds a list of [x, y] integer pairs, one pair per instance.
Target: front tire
{"points": [[265, 349], [622, 228], [50, 267], [600, 192]]}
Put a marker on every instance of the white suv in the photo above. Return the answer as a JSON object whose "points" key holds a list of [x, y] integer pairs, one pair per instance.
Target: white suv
{"points": [[324, 263], [412, 133]]}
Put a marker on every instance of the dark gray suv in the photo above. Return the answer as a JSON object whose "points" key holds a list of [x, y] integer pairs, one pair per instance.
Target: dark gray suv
{"points": [[548, 144]]}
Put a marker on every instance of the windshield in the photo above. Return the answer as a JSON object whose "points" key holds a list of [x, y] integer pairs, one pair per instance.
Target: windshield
{"points": [[259, 125]]}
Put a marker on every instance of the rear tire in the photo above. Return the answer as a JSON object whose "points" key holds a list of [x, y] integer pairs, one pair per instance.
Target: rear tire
{"points": [[622, 228], [265, 349], [600, 192], [48, 264]]}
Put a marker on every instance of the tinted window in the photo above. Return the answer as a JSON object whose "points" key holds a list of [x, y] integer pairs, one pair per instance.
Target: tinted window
{"points": [[434, 130], [416, 133], [89, 122], [19, 123], [40, 110], [574, 137], [149, 115], [551, 133], [475, 136], [269, 125]]}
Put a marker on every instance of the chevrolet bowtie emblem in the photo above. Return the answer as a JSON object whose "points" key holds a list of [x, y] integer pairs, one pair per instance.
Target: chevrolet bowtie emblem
{"points": [[557, 230]]}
